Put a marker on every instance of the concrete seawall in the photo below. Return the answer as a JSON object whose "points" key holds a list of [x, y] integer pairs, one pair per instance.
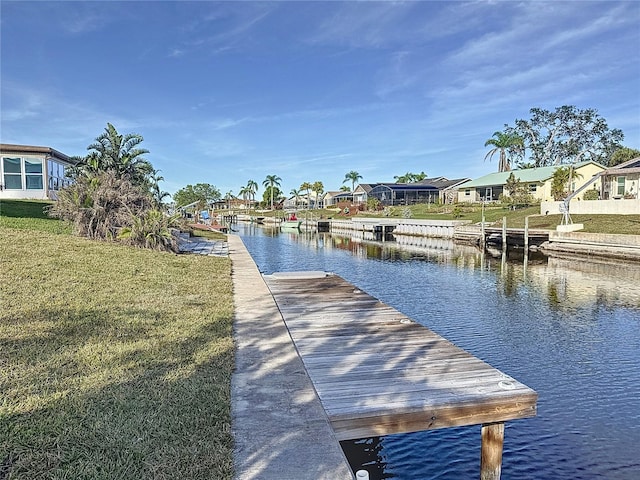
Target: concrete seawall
{"points": [[625, 247], [399, 226], [280, 428]]}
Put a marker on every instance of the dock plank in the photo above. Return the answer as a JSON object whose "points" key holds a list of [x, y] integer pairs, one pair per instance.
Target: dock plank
{"points": [[378, 372]]}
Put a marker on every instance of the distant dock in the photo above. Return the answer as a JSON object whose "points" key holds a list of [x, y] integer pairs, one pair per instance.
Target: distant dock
{"points": [[377, 372]]}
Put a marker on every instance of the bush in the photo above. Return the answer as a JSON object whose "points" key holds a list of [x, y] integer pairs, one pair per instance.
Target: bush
{"points": [[98, 205], [151, 229], [591, 195]]}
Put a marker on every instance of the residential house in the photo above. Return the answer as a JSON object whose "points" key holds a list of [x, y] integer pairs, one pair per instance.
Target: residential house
{"points": [[447, 189], [361, 193], [394, 194], [331, 199], [32, 172], [621, 181], [538, 181]]}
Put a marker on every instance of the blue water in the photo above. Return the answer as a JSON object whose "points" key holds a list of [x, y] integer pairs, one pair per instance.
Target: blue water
{"points": [[568, 329]]}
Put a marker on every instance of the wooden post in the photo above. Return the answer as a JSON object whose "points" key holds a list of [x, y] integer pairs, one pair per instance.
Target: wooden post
{"points": [[526, 234], [491, 451], [504, 232]]}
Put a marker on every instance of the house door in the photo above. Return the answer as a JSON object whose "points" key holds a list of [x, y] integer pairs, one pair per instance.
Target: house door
{"points": [[488, 194]]}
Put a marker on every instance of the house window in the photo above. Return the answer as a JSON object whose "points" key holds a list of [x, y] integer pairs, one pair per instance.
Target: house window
{"points": [[621, 185], [33, 174], [467, 192], [533, 188], [57, 178], [12, 168]]}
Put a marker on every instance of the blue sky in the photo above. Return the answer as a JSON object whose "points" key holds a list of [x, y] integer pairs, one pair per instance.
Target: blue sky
{"points": [[225, 92]]}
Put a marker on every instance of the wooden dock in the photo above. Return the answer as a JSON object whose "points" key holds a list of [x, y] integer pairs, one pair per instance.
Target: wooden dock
{"points": [[514, 237], [378, 372]]}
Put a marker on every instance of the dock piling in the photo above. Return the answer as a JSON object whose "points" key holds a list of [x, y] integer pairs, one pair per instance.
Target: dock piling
{"points": [[504, 232], [491, 451]]}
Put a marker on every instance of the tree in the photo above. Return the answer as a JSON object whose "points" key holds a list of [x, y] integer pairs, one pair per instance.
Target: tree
{"points": [[567, 135], [410, 177], [507, 145], [244, 193], [345, 188], [270, 182], [271, 194], [203, 193], [517, 192], [296, 195], [307, 187], [622, 155], [252, 189], [561, 182], [157, 194], [406, 178], [120, 154], [352, 177], [318, 189], [228, 197]]}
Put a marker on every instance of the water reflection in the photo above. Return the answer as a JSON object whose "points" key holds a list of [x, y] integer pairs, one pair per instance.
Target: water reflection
{"points": [[566, 282]]}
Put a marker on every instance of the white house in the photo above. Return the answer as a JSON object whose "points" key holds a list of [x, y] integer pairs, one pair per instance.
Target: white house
{"points": [[30, 172]]}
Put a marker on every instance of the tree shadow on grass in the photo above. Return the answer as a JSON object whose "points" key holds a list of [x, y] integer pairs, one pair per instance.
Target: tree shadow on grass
{"points": [[87, 398]]}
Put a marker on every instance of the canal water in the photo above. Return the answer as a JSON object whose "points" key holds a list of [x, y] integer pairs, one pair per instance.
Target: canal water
{"points": [[569, 329]]}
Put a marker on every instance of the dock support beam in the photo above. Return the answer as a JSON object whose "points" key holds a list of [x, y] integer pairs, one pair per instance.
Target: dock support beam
{"points": [[491, 451], [504, 232]]}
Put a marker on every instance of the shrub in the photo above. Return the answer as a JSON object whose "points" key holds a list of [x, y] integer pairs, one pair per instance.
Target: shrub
{"points": [[151, 229], [591, 195], [99, 205]]}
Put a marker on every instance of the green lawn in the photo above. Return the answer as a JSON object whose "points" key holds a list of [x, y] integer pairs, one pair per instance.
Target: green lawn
{"points": [[115, 362]]}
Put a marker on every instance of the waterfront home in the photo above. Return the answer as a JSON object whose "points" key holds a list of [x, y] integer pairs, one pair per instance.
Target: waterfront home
{"points": [[429, 190], [361, 193], [32, 172], [331, 199], [621, 181], [538, 181], [447, 189], [617, 189], [395, 194]]}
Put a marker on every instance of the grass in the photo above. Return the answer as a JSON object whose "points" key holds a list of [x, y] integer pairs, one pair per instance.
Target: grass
{"points": [[30, 215], [115, 362]]}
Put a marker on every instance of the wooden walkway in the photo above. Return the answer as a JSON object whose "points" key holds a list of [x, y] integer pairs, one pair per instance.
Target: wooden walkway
{"points": [[378, 372]]}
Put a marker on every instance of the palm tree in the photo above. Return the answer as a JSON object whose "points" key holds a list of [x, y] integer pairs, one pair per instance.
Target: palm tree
{"points": [[252, 188], [317, 188], [507, 145], [352, 177], [296, 194], [307, 186], [120, 154], [406, 178], [154, 185], [417, 177], [272, 181], [244, 193], [228, 197], [561, 182]]}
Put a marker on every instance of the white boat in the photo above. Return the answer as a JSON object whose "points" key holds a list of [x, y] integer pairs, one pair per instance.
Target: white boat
{"points": [[291, 224]]}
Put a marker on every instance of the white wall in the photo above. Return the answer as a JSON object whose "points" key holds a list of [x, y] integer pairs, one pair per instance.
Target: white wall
{"points": [[586, 207]]}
